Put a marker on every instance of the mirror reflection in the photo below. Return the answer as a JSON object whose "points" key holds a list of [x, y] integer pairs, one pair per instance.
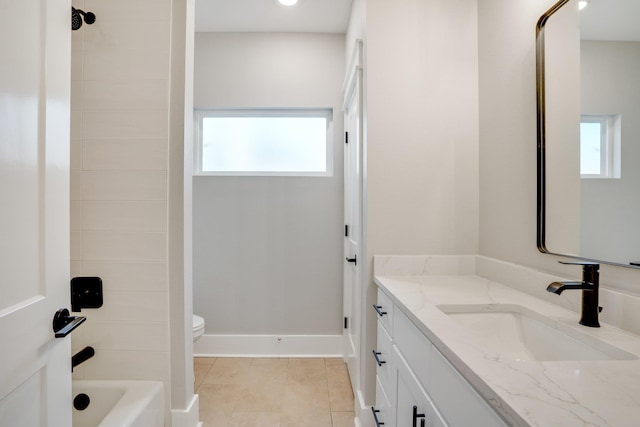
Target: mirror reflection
{"points": [[592, 64]]}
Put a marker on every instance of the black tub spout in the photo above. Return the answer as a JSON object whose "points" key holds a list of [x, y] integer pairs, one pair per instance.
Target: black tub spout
{"points": [[82, 356]]}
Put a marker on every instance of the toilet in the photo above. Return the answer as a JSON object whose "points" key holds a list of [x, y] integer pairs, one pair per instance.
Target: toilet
{"points": [[198, 327]]}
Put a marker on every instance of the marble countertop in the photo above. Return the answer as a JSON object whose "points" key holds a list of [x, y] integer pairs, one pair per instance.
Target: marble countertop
{"points": [[526, 393]]}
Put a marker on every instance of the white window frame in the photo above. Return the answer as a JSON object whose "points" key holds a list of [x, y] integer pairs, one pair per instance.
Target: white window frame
{"points": [[610, 145], [200, 114]]}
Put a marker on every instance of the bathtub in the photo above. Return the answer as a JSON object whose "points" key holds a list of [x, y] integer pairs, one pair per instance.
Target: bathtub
{"points": [[118, 403]]}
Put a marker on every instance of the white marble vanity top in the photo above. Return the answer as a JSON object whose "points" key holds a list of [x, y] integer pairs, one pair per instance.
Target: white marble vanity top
{"points": [[526, 393]]}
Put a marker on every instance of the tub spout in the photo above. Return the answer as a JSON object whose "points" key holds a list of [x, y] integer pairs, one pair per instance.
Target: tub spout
{"points": [[82, 356]]}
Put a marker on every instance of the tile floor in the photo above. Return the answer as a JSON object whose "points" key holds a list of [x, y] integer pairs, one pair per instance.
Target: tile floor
{"points": [[245, 392]]}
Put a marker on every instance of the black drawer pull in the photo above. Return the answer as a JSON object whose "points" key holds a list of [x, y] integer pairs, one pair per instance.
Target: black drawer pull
{"points": [[416, 415], [378, 309], [378, 361], [375, 416]]}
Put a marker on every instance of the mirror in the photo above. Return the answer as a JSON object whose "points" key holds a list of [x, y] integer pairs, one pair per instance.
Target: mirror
{"points": [[588, 98]]}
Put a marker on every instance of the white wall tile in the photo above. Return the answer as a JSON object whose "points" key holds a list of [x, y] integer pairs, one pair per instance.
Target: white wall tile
{"points": [[76, 154], [128, 275], [76, 185], [128, 307], [120, 103], [122, 246], [129, 95], [117, 335], [125, 65], [133, 10], [76, 268], [128, 365], [142, 216], [76, 215], [76, 124], [124, 155], [77, 65], [76, 94], [128, 35], [127, 125], [76, 246], [124, 185]]}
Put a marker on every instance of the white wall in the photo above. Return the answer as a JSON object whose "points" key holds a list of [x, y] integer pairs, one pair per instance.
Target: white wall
{"points": [[508, 141], [610, 206], [421, 133], [268, 250], [122, 87]]}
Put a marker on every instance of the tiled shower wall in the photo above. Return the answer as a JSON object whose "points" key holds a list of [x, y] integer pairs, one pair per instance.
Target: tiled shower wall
{"points": [[119, 148]]}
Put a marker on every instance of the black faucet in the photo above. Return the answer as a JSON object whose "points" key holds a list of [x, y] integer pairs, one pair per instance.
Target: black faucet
{"points": [[589, 286], [82, 356]]}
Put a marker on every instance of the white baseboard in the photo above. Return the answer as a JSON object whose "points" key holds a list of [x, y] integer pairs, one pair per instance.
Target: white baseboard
{"points": [[363, 412], [268, 346], [189, 417]]}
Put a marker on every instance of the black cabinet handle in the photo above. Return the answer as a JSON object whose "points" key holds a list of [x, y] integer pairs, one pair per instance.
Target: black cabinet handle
{"points": [[353, 260], [63, 324], [378, 361], [378, 309], [375, 416], [416, 415]]}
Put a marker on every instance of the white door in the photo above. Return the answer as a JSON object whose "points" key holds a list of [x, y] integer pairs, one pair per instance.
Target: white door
{"points": [[353, 216], [35, 367]]}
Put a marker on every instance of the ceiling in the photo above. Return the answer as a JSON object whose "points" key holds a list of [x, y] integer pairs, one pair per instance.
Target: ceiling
{"points": [[315, 16], [611, 20]]}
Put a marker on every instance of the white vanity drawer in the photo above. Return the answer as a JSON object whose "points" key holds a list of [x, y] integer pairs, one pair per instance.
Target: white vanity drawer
{"points": [[384, 310], [467, 408], [383, 410], [414, 347], [384, 354], [414, 407]]}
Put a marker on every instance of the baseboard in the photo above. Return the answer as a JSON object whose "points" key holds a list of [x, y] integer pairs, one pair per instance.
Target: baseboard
{"points": [[189, 417], [268, 346], [363, 412]]}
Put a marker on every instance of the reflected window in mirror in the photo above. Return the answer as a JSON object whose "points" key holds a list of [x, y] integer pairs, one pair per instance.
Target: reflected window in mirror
{"points": [[600, 146]]}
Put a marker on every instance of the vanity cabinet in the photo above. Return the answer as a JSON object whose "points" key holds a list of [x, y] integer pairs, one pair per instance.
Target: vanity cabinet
{"points": [[415, 385]]}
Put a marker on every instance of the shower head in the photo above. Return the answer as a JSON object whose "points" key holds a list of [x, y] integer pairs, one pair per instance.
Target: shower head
{"points": [[79, 16]]}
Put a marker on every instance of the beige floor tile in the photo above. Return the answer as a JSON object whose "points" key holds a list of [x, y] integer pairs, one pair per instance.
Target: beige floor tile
{"points": [[307, 372], [341, 399], [272, 392], [340, 391], [214, 418], [342, 419], [320, 419], [338, 376], [308, 362], [263, 397], [332, 361], [201, 367], [299, 399], [269, 374], [219, 398], [270, 361], [204, 360], [255, 419], [229, 371]]}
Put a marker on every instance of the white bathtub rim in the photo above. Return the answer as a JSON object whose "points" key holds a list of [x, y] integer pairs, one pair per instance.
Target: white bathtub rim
{"points": [[123, 412]]}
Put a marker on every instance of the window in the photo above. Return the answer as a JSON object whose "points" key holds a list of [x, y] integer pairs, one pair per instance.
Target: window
{"points": [[600, 146], [292, 142]]}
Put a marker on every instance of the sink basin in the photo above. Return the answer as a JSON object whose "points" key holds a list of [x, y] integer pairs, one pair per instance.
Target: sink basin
{"points": [[517, 333]]}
